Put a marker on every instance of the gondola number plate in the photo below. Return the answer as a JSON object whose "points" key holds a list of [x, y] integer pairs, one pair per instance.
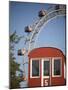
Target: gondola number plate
{"points": [[46, 82]]}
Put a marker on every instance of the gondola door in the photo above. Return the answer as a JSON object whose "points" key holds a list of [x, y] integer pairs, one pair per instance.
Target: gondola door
{"points": [[46, 72]]}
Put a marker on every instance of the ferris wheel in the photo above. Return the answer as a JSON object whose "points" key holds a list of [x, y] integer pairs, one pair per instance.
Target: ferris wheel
{"points": [[33, 30]]}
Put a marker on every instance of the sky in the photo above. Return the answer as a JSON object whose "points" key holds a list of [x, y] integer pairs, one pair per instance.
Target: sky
{"points": [[22, 14]]}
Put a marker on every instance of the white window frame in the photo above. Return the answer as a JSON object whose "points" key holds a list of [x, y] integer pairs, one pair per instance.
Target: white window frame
{"points": [[45, 77], [53, 59], [31, 67], [45, 59]]}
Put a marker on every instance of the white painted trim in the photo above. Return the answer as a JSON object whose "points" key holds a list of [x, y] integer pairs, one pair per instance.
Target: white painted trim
{"points": [[45, 59], [43, 77], [42, 73], [50, 70], [31, 68], [64, 71], [53, 66]]}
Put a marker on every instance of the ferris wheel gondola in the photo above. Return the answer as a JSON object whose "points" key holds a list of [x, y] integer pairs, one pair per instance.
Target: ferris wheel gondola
{"points": [[60, 7], [42, 13], [28, 29]]}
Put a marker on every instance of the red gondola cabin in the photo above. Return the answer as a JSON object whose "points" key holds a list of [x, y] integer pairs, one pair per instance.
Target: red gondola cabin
{"points": [[46, 67]]}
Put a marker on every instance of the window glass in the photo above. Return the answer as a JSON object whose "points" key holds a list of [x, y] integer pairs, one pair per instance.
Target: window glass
{"points": [[35, 67], [57, 67], [46, 68]]}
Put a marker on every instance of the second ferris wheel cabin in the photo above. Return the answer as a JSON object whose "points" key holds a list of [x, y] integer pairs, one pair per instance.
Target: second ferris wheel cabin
{"points": [[46, 67]]}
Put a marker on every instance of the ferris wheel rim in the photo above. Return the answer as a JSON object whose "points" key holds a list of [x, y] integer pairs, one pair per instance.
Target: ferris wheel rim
{"points": [[44, 26]]}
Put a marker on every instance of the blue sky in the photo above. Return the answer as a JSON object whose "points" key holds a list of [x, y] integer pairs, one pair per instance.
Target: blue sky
{"points": [[23, 14]]}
